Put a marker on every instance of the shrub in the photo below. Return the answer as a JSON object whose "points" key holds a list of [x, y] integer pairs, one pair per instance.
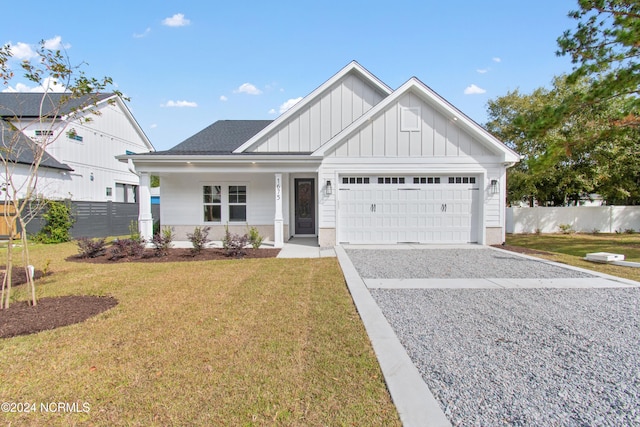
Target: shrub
{"points": [[198, 238], [163, 241], [134, 233], [255, 238], [126, 248], [566, 229], [58, 223], [629, 231], [234, 244], [90, 248]]}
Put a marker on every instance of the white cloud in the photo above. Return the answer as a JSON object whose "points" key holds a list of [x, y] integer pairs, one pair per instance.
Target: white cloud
{"points": [[145, 33], [223, 98], [56, 44], [482, 70], [272, 111], [180, 104], [177, 20], [473, 90], [248, 88], [153, 125], [22, 51], [289, 103], [496, 59]]}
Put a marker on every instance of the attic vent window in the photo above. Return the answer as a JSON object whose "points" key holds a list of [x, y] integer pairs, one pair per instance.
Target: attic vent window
{"points": [[410, 119]]}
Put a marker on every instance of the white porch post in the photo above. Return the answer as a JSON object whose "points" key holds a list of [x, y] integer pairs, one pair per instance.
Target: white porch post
{"points": [[145, 219], [278, 223]]}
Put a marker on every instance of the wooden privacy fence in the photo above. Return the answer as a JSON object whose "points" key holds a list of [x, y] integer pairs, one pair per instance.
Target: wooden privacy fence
{"points": [[98, 219], [584, 219], [7, 211]]}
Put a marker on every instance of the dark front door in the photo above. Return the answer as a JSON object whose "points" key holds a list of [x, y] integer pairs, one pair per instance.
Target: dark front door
{"points": [[305, 212]]}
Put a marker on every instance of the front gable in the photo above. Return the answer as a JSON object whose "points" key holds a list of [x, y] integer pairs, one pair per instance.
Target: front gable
{"points": [[415, 122], [322, 114]]}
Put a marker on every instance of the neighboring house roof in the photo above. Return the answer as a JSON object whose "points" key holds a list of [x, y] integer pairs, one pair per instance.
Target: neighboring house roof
{"points": [[21, 149], [33, 104], [222, 137]]}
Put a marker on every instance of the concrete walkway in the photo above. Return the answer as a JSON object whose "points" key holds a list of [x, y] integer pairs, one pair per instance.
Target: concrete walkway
{"points": [[305, 247]]}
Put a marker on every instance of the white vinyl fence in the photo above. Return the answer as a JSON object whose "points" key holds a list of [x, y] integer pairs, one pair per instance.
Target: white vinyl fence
{"points": [[584, 219]]}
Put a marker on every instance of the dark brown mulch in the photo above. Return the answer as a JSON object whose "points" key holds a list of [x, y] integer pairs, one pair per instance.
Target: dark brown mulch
{"points": [[521, 250], [50, 313], [180, 254]]}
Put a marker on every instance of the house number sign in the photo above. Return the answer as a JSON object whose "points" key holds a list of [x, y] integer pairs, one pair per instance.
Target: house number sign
{"points": [[278, 189]]}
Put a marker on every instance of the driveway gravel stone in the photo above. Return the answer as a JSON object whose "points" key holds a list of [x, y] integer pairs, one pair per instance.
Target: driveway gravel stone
{"points": [[513, 356]]}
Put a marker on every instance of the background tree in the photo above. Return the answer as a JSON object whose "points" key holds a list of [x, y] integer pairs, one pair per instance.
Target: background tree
{"points": [[565, 162], [605, 48], [79, 96]]}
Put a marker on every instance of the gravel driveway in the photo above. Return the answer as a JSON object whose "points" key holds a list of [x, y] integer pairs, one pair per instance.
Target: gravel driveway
{"points": [[513, 356]]}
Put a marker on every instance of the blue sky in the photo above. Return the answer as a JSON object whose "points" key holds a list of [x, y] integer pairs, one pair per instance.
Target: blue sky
{"points": [[187, 64]]}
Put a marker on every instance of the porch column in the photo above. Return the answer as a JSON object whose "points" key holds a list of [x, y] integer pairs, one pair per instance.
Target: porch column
{"points": [[145, 219], [278, 223]]}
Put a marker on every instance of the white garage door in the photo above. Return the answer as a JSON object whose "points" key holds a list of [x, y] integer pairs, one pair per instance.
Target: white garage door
{"points": [[408, 209]]}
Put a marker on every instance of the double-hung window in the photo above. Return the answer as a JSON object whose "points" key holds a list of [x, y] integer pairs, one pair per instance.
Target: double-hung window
{"points": [[237, 203], [225, 203]]}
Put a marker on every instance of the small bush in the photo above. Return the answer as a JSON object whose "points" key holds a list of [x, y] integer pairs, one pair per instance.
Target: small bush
{"points": [[126, 248], [198, 238], [163, 241], [255, 239], [134, 233], [595, 231], [58, 223], [629, 231], [566, 229], [234, 244], [90, 248]]}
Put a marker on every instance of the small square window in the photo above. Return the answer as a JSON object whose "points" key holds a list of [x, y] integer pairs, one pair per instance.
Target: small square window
{"points": [[109, 191]]}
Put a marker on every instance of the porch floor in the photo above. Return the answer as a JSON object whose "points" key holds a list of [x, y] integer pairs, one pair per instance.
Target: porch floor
{"points": [[296, 247]]}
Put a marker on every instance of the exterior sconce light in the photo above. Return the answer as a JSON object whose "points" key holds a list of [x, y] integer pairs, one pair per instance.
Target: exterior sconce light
{"points": [[91, 178], [328, 190], [494, 186]]}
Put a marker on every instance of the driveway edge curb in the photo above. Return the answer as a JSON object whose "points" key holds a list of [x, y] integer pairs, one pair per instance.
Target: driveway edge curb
{"points": [[413, 399]]}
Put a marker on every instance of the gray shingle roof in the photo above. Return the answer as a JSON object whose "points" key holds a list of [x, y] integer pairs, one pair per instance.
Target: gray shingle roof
{"points": [[27, 104], [18, 148], [222, 137]]}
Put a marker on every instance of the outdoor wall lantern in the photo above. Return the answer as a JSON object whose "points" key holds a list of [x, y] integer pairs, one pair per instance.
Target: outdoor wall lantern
{"points": [[91, 178], [494, 186], [328, 190]]}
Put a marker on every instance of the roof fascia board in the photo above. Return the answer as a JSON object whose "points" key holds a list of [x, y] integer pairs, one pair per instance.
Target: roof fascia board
{"points": [[437, 102], [352, 66]]}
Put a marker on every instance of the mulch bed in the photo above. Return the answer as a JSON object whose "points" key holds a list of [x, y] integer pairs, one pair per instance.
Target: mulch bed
{"points": [[50, 313], [180, 254]]}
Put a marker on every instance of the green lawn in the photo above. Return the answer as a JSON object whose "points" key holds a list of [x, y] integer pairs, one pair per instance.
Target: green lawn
{"points": [[572, 248], [237, 342]]}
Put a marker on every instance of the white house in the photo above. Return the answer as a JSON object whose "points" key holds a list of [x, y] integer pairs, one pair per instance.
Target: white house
{"points": [[80, 161], [354, 161]]}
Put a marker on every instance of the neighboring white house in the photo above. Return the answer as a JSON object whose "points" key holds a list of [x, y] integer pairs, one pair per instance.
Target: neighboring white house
{"points": [[354, 161], [80, 163]]}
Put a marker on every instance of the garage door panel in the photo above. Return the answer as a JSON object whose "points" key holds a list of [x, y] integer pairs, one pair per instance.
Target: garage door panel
{"points": [[390, 214]]}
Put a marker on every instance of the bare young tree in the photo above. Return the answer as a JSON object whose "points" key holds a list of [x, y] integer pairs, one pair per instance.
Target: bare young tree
{"points": [[74, 101]]}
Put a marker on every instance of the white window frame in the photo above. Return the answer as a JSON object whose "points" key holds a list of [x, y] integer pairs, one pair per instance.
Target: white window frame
{"points": [[225, 203]]}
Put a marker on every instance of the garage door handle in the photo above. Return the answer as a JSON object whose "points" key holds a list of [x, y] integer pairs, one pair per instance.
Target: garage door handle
{"points": [[373, 207], [443, 208]]}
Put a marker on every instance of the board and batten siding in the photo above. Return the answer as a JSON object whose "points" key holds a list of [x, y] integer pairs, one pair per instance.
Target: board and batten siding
{"points": [[323, 118], [435, 136]]}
